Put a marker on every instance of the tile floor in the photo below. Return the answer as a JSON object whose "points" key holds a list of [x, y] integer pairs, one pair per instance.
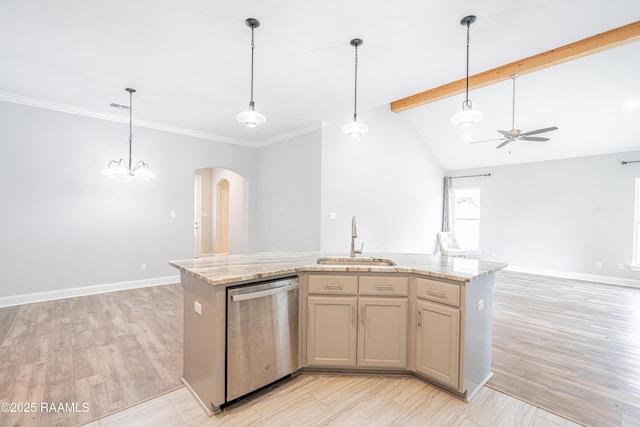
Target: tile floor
{"points": [[342, 400]]}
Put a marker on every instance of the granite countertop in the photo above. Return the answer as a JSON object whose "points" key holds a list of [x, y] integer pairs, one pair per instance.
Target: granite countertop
{"points": [[226, 269]]}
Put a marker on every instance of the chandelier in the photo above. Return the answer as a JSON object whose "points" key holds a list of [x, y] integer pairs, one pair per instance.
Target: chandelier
{"points": [[124, 170]]}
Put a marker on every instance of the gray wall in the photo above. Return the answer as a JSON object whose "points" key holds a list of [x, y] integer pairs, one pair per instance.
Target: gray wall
{"points": [[563, 215], [387, 178], [63, 225], [289, 194]]}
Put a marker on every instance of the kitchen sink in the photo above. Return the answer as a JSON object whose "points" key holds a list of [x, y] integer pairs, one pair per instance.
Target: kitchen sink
{"points": [[356, 261]]}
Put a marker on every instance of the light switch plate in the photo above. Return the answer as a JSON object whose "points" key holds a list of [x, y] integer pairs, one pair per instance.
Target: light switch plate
{"points": [[480, 304], [197, 307]]}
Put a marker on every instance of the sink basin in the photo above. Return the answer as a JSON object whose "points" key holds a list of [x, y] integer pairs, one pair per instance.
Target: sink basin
{"points": [[356, 261]]}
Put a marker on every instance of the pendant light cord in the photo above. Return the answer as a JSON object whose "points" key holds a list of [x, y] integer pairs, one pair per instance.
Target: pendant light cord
{"points": [[355, 90], [130, 125], [251, 103], [467, 87]]}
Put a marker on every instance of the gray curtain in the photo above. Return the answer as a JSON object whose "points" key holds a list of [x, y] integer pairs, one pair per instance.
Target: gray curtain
{"points": [[446, 205]]}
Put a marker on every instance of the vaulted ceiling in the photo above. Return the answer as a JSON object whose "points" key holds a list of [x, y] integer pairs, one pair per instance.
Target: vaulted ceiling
{"points": [[189, 61]]}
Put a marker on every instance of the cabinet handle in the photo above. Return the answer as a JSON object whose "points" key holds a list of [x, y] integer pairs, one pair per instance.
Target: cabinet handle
{"points": [[385, 288], [419, 319], [439, 294], [333, 287]]}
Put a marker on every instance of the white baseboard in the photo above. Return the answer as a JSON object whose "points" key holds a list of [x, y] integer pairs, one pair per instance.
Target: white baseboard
{"points": [[619, 281], [85, 290]]}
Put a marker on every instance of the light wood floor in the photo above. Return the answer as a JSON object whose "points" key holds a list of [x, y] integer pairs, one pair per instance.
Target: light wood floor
{"points": [[331, 400], [568, 346], [110, 350], [572, 348]]}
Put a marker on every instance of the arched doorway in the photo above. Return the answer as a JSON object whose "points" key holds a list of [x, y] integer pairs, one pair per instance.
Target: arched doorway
{"points": [[220, 212]]}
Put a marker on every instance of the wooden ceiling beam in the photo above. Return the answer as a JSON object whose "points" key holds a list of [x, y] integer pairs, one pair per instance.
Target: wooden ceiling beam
{"points": [[594, 44]]}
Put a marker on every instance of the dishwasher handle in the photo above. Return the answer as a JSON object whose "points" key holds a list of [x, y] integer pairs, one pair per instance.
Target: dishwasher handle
{"points": [[265, 293]]}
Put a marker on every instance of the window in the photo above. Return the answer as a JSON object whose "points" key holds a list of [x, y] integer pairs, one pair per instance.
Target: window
{"points": [[466, 217], [636, 228]]}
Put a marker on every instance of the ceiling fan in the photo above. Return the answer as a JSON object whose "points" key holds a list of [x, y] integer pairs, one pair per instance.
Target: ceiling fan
{"points": [[516, 134]]}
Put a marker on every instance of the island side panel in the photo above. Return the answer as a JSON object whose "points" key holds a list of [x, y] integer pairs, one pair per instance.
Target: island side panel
{"points": [[478, 333], [204, 341]]}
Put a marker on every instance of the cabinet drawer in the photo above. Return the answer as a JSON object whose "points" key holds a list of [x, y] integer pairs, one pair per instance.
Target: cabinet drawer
{"points": [[337, 285], [381, 285], [445, 293]]}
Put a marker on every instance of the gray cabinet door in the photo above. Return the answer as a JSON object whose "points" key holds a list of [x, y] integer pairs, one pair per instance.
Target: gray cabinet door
{"points": [[331, 323], [438, 343], [382, 334]]}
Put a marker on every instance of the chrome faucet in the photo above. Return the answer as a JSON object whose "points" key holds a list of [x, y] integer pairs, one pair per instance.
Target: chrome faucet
{"points": [[354, 234]]}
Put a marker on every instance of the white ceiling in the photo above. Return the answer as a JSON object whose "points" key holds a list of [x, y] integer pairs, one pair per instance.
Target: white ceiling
{"points": [[189, 61]]}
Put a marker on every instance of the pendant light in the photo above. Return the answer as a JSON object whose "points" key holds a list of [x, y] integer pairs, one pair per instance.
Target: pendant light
{"points": [[355, 128], [122, 169], [468, 116], [251, 118]]}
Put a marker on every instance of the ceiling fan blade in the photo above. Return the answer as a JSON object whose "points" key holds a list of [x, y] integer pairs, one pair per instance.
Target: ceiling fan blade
{"points": [[534, 138], [487, 140], [503, 144], [505, 133], [537, 131]]}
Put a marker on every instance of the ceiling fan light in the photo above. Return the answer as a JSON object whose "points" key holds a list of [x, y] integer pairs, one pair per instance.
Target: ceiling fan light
{"points": [[251, 118], [355, 129]]}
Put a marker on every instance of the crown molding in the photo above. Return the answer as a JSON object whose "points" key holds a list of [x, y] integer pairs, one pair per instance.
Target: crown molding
{"points": [[79, 111], [292, 133]]}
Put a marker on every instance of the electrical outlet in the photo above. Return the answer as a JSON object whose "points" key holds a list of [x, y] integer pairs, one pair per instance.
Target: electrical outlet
{"points": [[197, 307], [480, 304], [620, 266], [172, 214], [599, 264], [143, 267], [333, 215]]}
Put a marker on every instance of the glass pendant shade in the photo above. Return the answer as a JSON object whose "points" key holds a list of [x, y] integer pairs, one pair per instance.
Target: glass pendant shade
{"points": [[467, 117], [355, 129], [251, 118]]}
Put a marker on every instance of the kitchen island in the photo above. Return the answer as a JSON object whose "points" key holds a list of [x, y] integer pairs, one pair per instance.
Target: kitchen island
{"points": [[426, 315]]}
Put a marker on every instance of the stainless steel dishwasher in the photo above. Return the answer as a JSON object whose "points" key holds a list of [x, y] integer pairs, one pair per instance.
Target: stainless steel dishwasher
{"points": [[262, 335]]}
